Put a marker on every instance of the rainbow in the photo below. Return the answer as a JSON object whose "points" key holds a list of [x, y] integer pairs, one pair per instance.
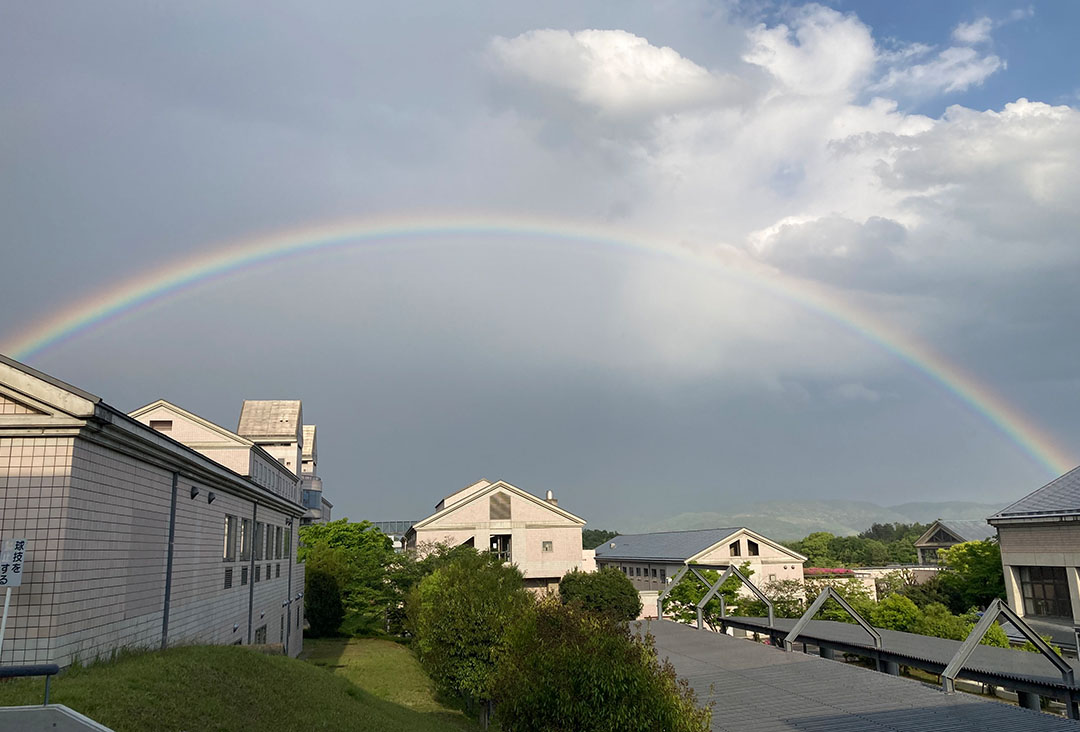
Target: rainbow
{"points": [[127, 297]]}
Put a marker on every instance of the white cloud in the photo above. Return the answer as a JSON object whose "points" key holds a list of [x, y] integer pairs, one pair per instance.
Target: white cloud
{"points": [[977, 31], [956, 68]]}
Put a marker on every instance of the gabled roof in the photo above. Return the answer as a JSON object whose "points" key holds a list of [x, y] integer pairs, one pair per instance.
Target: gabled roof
{"points": [[264, 420], [961, 529], [227, 434], [309, 452], [1059, 497], [677, 546], [461, 494], [487, 490]]}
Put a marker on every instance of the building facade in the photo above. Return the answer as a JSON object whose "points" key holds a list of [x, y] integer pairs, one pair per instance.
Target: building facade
{"points": [[1039, 537], [543, 540], [136, 540], [946, 533], [311, 485], [652, 560]]}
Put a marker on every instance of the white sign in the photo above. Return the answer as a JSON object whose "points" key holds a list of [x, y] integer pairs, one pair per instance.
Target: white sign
{"points": [[13, 556]]}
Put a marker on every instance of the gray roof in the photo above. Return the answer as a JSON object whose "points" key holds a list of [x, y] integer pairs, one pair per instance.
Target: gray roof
{"points": [[1059, 497], [758, 688], [969, 530], [270, 419], [676, 546]]}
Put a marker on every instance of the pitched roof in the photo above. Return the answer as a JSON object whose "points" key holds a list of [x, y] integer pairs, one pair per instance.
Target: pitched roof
{"points": [[490, 488], [309, 442], [677, 546], [1059, 497], [969, 530], [270, 419]]}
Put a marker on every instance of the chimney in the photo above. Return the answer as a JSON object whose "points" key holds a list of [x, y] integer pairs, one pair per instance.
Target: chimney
{"points": [[552, 499]]}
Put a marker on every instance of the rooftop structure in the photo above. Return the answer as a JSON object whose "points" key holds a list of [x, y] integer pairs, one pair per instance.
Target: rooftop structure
{"points": [[945, 533]]}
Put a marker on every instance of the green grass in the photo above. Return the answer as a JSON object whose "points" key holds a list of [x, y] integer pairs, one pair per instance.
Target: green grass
{"points": [[354, 685]]}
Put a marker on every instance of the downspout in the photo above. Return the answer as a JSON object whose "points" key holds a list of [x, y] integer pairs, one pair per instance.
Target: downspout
{"points": [[251, 570], [169, 562], [288, 591]]}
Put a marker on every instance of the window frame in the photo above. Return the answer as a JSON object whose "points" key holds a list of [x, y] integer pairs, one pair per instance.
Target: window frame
{"points": [[228, 552], [245, 539]]}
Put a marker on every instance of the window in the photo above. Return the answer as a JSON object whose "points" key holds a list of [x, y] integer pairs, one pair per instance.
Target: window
{"points": [[654, 574], [751, 548], [277, 543], [663, 576], [258, 572], [229, 552], [260, 635], [499, 507], [243, 575], [941, 537], [161, 425], [637, 571], [546, 546], [772, 577], [245, 539], [288, 544], [1045, 591], [269, 541], [277, 570], [734, 548], [228, 577], [500, 546], [281, 630], [259, 531]]}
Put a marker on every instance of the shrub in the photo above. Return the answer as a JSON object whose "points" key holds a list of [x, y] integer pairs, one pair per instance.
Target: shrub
{"points": [[607, 591], [459, 615], [322, 602], [568, 669], [896, 612]]}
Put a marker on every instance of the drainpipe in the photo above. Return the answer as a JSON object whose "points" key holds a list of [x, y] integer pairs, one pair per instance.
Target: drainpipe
{"points": [[169, 562], [251, 570], [288, 600]]}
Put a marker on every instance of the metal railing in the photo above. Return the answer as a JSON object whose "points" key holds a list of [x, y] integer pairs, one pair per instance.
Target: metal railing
{"points": [[48, 670]]}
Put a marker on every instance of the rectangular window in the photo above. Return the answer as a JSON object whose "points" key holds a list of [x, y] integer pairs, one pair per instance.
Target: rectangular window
{"points": [[259, 531], [243, 575], [499, 507], [546, 546], [288, 544], [654, 574], [500, 546], [161, 425], [277, 571], [772, 577], [229, 552], [269, 541], [663, 576], [260, 635], [637, 571], [228, 577], [1045, 591], [245, 539], [751, 548], [277, 543], [734, 548]]}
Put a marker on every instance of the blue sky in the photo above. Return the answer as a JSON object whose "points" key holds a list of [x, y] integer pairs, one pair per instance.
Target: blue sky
{"points": [[789, 141]]}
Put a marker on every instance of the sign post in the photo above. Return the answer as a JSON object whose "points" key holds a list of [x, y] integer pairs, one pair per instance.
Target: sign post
{"points": [[13, 556]]}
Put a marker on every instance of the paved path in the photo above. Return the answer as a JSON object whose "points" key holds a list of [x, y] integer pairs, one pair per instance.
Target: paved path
{"points": [[758, 688]]}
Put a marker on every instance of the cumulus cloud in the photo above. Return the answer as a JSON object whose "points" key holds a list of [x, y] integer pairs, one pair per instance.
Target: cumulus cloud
{"points": [[977, 31]]}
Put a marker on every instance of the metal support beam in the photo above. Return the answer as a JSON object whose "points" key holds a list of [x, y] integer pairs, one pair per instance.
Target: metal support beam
{"points": [[674, 583], [733, 570], [1029, 700], [813, 610], [892, 668], [826, 653], [998, 608]]}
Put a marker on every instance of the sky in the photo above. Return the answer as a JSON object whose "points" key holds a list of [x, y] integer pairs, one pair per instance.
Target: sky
{"points": [[915, 164]]}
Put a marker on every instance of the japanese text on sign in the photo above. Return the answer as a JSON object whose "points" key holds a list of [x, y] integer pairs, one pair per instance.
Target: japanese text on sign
{"points": [[13, 556]]}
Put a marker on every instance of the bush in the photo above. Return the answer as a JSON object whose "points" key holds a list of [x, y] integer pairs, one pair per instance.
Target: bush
{"points": [[607, 591], [896, 612], [568, 669], [459, 615], [322, 602]]}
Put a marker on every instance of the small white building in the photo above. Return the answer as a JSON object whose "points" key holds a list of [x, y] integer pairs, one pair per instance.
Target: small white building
{"points": [[538, 536]]}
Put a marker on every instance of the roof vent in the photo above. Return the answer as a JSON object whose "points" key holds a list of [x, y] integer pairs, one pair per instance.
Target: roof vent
{"points": [[611, 545], [552, 499]]}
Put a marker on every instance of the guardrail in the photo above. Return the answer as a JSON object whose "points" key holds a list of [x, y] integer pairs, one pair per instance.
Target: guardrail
{"points": [[48, 670]]}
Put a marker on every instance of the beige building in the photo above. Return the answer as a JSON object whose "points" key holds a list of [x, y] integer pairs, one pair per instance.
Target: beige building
{"points": [[1040, 554], [651, 560], [135, 538], [311, 485], [945, 533], [543, 540]]}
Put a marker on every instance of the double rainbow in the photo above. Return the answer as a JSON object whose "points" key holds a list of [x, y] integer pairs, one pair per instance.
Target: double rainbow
{"points": [[127, 297]]}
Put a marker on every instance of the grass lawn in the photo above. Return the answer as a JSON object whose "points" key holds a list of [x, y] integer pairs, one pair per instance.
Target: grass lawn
{"points": [[353, 685]]}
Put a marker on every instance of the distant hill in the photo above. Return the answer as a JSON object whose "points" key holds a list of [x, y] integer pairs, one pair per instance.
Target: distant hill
{"points": [[789, 520]]}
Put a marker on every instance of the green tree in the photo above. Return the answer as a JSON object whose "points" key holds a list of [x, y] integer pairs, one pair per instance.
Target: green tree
{"points": [[567, 669], [972, 574], [896, 612], [815, 548], [322, 602], [459, 615], [592, 538], [851, 589], [405, 571], [787, 596], [607, 591], [937, 621]]}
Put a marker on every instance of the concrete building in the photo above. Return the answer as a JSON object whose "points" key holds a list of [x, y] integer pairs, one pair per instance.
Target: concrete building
{"points": [[650, 560], [945, 533], [136, 539], [1040, 555], [311, 485], [538, 536]]}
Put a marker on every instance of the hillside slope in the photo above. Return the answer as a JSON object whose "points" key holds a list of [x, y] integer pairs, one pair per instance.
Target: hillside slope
{"points": [[228, 688]]}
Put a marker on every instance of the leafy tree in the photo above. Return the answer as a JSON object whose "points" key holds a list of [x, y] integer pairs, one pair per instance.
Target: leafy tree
{"points": [[357, 555], [322, 602], [972, 574], [896, 612], [851, 589], [567, 669], [788, 598], [929, 592], [405, 571], [682, 602], [816, 549], [894, 532], [459, 615], [592, 538], [937, 621], [607, 591]]}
